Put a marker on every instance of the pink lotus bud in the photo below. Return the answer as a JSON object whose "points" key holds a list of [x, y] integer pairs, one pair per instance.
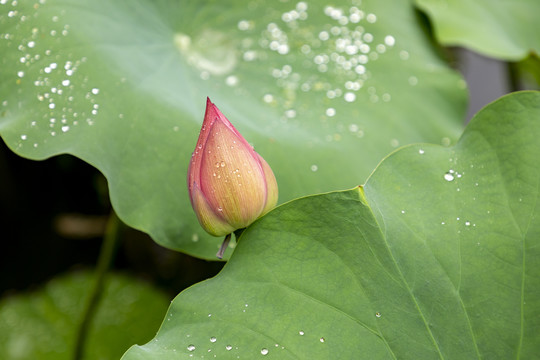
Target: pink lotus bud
{"points": [[230, 185]]}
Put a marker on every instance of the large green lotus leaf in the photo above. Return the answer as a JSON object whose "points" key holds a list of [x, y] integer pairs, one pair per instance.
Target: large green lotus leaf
{"points": [[43, 324], [505, 29], [436, 257], [123, 85]]}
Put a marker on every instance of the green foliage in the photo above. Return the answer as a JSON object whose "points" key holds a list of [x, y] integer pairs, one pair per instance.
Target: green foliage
{"points": [[43, 324], [502, 29], [437, 256], [122, 85]]}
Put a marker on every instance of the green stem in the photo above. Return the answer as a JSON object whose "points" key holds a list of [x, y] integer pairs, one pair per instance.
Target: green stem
{"points": [[513, 76], [226, 241], [223, 247], [108, 248]]}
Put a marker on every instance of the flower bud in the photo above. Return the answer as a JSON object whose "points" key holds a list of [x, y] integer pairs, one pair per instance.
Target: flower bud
{"points": [[230, 185]]}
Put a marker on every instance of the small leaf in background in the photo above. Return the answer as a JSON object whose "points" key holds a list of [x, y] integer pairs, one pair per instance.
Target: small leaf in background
{"points": [[527, 73], [122, 84], [501, 29], [437, 256], [43, 324]]}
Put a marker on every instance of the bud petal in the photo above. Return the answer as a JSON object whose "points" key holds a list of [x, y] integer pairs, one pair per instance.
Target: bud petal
{"points": [[230, 185]]}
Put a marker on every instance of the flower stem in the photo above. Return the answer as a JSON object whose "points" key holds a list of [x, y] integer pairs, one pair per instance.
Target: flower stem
{"points": [[226, 241], [106, 255], [223, 246]]}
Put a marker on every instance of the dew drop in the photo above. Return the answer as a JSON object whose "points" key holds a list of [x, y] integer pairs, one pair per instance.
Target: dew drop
{"points": [[421, 151], [268, 98], [191, 347], [404, 55], [249, 56], [449, 176], [330, 112], [220, 209], [65, 128], [264, 351], [368, 37], [360, 69], [445, 141], [378, 314], [467, 223], [349, 97], [389, 40], [213, 339], [23, 137], [364, 48], [323, 35], [301, 6], [301, 333], [314, 168], [291, 113], [243, 25], [20, 74], [228, 347], [321, 339], [231, 80], [95, 91]]}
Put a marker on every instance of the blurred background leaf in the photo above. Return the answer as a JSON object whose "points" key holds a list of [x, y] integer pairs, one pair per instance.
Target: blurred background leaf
{"points": [[501, 29], [122, 85], [43, 324]]}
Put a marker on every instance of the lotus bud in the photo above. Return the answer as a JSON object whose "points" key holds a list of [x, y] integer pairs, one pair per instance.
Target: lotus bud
{"points": [[230, 185]]}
